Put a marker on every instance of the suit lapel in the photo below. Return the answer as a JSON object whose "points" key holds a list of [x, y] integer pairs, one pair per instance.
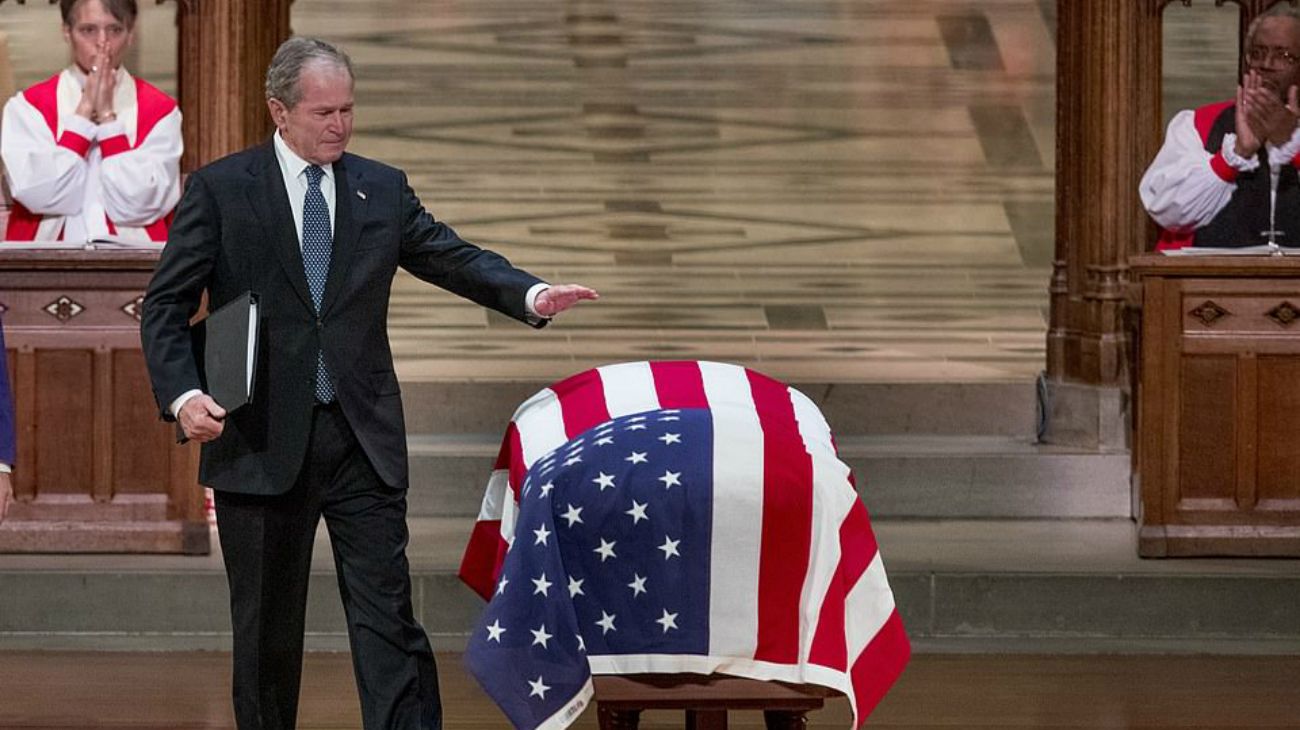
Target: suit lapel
{"points": [[271, 204], [349, 207]]}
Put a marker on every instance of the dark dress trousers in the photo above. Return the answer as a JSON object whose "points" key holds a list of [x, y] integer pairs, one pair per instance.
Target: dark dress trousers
{"points": [[284, 461]]}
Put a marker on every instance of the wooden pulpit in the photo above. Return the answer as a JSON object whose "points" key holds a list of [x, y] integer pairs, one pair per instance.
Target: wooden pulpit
{"points": [[1219, 405], [97, 470]]}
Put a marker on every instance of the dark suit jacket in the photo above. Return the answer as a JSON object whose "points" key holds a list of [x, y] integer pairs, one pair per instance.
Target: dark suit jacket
{"points": [[7, 447], [233, 233]]}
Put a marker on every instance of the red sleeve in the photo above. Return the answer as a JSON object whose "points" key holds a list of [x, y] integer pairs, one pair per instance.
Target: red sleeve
{"points": [[1226, 172], [75, 142], [114, 145]]}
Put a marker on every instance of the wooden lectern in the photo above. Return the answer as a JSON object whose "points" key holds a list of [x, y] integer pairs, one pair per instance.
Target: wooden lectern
{"points": [[1219, 405], [97, 470]]}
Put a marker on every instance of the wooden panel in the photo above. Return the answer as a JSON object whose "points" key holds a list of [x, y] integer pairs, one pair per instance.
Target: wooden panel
{"points": [[141, 442], [97, 471], [1242, 313], [1279, 425], [1219, 474], [1206, 432], [24, 365], [63, 424]]}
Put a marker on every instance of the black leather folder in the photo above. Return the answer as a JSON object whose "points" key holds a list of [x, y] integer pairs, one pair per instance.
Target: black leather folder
{"points": [[225, 343]]}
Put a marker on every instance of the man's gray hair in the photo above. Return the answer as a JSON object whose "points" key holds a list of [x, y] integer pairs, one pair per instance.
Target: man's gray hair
{"points": [[291, 58], [1281, 10]]}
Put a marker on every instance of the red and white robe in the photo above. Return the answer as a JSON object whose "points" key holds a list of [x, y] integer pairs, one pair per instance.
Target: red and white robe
{"points": [[1200, 192], [72, 179]]}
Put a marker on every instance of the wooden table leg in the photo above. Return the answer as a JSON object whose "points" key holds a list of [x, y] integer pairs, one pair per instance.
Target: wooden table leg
{"points": [[785, 719], [706, 720], [617, 719]]}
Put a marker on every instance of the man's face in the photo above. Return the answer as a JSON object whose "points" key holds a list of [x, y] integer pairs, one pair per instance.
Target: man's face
{"points": [[93, 29], [1274, 53], [319, 126]]}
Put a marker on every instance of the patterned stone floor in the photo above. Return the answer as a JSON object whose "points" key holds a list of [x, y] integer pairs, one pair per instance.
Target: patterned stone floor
{"points": [[845, 189]]}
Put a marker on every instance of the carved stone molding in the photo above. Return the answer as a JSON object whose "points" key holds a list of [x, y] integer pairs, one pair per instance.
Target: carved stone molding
{"points": [[134, 307], [64, 308], [1209, 313], [1284, 314]]}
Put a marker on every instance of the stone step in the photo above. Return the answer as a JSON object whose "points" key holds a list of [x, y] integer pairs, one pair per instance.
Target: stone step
{"points": [[922, 476], [977, 408], [961, 585]]}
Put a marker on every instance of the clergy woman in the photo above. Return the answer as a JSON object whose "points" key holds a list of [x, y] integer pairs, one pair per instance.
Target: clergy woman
{"points": [[92, 152]]}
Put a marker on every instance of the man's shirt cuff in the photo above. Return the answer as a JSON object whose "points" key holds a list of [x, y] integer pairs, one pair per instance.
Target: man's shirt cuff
{"points": [[5, 468], [530, 299], [181, 400]]}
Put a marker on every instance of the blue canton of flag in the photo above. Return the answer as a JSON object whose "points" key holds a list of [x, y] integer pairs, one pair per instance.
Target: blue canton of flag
{"points": [[611, 556]]}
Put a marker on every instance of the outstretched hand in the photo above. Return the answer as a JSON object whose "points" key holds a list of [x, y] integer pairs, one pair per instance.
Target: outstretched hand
{"points": [[560, 297]]}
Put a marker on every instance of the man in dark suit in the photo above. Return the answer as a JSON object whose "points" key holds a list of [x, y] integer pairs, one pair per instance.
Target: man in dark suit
{"points": [[7, 447], [317, 234]]}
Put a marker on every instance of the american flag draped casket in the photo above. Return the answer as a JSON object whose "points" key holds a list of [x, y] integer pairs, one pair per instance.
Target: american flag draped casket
{"points": [[674, 517]]}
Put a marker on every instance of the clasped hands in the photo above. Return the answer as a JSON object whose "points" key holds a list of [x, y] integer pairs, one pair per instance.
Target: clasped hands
{"points": [[1262, 116], [97, 96]]}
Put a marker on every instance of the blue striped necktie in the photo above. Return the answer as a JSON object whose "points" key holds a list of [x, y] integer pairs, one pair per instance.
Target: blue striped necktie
{"points": [[317, 240]]}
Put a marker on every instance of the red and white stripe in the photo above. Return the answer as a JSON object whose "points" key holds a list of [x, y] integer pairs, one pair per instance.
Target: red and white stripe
{"points": [[840, 629]]}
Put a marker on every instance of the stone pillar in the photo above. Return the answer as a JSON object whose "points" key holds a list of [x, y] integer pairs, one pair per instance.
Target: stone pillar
{"points": [[224, 47], [1108, 102], [1107, 129]]}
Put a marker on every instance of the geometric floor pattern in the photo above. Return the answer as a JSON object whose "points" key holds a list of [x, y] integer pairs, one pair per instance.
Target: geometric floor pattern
{"points": [[852, 189]]}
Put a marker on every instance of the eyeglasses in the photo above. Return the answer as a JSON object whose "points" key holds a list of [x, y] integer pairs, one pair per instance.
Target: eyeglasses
{"points": [[1260, 54]]}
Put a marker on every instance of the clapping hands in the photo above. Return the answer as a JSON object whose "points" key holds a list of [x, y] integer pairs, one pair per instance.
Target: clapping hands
{"points": [[1262, 116]]}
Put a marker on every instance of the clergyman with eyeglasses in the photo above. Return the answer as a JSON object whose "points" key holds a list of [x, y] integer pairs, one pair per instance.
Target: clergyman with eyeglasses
{"points": [[1226, 176]]}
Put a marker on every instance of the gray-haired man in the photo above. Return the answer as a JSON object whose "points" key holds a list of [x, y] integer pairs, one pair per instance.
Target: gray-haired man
{"points": [[317, 234]]}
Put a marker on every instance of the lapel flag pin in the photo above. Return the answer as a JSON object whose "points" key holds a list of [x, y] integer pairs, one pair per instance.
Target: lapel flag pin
{"points": [[361, 194]]}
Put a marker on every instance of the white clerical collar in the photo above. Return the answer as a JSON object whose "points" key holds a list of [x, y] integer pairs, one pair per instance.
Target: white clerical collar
{"points": [[290, 163]]}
